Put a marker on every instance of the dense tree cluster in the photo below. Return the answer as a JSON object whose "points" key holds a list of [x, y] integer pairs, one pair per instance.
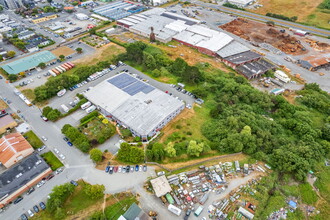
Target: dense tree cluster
{"points": [[95, 154], [159, 64], [94, 191], [55, 84], [77, 138], [130, 154]]}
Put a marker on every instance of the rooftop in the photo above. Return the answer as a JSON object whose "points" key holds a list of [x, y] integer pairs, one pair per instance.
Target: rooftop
{"points": [[253, 68], [135, 103], [28, 62], [316, 61], [243, 57], [134, 212], [232, 48], [12, 144], [20, 174], [160, 186], [4, 121]]}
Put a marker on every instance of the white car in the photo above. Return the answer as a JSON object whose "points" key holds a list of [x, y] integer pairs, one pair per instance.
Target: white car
{"points": [[62, 156], [30, 213], [140, 168], [119, 169], [59, 170], [44, 138], [56, 151], [41, 183], [41, 148]]}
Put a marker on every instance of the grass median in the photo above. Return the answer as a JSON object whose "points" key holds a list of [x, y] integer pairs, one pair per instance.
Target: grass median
{"points": [[52, 160], [33, 139]]}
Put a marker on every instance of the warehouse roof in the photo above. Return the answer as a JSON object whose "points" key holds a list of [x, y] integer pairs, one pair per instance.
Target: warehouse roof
{"points": [[216, 42], [231, 49], [254, 68], [243, 57], [20, 174], [160, 186], [135, 103], [28, 62]]}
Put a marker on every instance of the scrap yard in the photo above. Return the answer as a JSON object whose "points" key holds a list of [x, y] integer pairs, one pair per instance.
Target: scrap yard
{"points": [[258, 33]]}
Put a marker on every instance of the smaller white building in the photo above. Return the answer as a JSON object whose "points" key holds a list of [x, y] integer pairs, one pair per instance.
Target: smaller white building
{"points": [[241, 3], [282, 76], [81, 16], [159, 2]]}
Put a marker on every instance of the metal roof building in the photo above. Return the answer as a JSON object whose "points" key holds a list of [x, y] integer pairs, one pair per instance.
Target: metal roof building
{"points": [[29, 62], [135, 104], [118, 10], [160, 186]]}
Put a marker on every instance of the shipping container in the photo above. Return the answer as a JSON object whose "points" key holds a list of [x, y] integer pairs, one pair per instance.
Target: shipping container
{"points": [[174, 210], [59, 69], [64, 70], [65, 67], [71, 64], [56, 71], [169, 198]]}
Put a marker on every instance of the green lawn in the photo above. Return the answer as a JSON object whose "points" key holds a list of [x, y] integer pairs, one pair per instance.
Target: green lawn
{"points": [[116, 210], [52, 160], [33, 139]]}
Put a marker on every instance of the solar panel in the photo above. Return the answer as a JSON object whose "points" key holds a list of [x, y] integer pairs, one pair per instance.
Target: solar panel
{"points": [[130, 85]]}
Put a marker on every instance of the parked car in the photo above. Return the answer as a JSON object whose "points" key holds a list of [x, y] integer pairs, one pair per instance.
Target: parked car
{"points": [[24, 217], [111, 170], [30, 213], [44, 118], [144, 168], [41, 148], [36, 209], [56, 150], [41, 183], [31, 190], [59, 170], [132, 169], [140, 168], [188, 212], [18, 200], [50, 177], [115, 169], [74, 182], [44, 138], [69, 143], [62, 156], [128, 168], [66, 139], [107, 169], [42, 205], [136, 168], [119, 169], [161, 173]]}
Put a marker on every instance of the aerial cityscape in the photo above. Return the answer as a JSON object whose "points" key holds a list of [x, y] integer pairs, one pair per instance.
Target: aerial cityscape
{"points": [[164, 109]]}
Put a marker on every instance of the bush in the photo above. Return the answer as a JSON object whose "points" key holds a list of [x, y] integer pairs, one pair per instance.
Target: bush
{"points": [[77, 138], [89, 116], [293, 19], [228, 5], [130, 154], [95, 154]]}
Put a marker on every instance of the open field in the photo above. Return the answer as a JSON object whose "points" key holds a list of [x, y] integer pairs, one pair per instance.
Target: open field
{"points": [[306, 11], [66, 51], [3, 105]]}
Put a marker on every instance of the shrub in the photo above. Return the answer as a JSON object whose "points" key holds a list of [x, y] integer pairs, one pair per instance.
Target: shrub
{"points": [[89, 116]]}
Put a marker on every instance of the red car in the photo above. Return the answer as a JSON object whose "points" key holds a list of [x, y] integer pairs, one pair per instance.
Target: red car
{"points": [[50, 176], [115, 169]]}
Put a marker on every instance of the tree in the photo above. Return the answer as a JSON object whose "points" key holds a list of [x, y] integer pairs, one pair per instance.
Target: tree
{"points": [[194, 149], [12, 77], [158, 152], [170, 150], [62, 57], [46, 110], [11, 53], [1, 58], [130, 154], [54, 115], [42, 65], [58, 196], [95, 154], [94, 191], [79, 50], [149, 61]]}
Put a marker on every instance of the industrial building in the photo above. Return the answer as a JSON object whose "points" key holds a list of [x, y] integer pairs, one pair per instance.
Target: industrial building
{"points": [[241, 3], [118, 10], [315, 62], [44, 17], [134, 104], [28, 63], [134, 212], [160, 186], [13, 148], [19, 178]]}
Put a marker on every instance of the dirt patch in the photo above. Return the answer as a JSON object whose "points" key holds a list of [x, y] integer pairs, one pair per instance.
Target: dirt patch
{"points": [[190, 162], [257, 33], [107, 157], [103, 53], [3, 105], [66, 51]]}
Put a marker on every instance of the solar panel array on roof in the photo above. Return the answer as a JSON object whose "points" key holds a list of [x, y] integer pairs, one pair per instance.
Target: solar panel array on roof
{"points": [[130, 85]]}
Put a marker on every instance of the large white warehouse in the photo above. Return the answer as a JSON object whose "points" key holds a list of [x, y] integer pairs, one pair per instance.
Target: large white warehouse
{"points": [[135, 104]]}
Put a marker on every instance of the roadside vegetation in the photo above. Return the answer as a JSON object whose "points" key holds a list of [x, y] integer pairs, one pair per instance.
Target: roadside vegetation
{"points": [[52, 160], [33, 139]]}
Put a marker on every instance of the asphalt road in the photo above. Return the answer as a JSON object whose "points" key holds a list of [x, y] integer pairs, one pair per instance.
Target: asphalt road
{"points": [[262, 18]]}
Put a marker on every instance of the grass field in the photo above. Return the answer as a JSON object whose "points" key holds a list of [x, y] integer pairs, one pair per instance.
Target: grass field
{"points": [[306, 11], [97, 130], [33, 139], [52, 160], [116, 210]]}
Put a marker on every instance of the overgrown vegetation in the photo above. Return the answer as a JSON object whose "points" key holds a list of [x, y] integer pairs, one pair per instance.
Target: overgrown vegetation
{"points": [[52, 160], [130, 154], [282, 17], [325, 4], [229, 5], [33, 139]]}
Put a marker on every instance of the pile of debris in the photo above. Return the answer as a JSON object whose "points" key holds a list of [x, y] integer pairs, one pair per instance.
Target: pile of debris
{"points": [[316, 45]]}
